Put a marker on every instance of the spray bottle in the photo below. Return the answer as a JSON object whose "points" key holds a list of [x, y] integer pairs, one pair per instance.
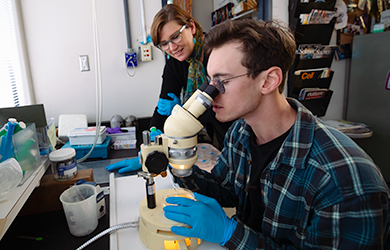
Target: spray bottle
{"points": [[12, 127]]}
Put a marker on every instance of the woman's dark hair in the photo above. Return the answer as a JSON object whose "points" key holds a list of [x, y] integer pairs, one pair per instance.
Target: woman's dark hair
{"points": [[168, 13]]}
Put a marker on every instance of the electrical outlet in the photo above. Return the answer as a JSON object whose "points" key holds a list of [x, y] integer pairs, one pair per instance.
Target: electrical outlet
{"points": [[84, 63], [131, 59], [145, 53]]}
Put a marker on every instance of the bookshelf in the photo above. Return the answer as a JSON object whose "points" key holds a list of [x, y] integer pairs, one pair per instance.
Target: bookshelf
{"points": [[313, 60]]}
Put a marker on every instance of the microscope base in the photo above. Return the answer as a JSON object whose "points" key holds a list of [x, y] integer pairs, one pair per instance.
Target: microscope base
{"points": [[154, 228]]}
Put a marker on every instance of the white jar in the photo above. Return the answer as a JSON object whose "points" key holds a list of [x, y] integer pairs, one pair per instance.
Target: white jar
{"points": [[63, 164]]}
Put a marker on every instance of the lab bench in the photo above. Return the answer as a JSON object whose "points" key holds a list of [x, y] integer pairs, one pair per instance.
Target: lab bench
{"points": [[51, 226], [125, 193], [24, 231], [41, 222], [10, 207]]}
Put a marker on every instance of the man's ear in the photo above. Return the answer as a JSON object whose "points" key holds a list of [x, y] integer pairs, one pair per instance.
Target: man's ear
{"points": [[272, 80]]}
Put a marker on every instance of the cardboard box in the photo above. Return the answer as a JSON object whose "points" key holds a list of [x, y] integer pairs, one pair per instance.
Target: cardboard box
{"points": [[240, 8], [125, 144], [252, 4], [130, 135]]}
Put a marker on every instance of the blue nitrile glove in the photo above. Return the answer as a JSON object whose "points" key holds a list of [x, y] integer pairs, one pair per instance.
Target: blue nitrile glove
{"points": [[165, 106], [206, 217], [154, 132], [82, 181], [129, 165], [124, 166]]}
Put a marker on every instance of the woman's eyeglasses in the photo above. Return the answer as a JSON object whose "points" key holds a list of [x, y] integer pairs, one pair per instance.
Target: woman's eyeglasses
{"points": [[175, 39]]}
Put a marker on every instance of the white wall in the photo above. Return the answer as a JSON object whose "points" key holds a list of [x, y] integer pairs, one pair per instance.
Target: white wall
{"points": [[58, 31], [201, 11], [280, 10], [335, 108]]}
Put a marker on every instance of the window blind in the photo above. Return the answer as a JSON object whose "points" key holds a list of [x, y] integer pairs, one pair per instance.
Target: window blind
{"points": [[10, 69]]}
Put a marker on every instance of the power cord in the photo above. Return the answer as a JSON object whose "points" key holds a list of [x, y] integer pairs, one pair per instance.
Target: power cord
{"points": [[98, 82], [127, 63], [133, 224]]}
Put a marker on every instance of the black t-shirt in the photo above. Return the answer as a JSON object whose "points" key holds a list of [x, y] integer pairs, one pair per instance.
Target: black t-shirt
{"points": [[174, 80], [262, 155]]}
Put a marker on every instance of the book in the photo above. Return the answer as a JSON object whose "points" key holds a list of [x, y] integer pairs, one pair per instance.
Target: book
{"points": [[385, 19], [347, 126], [311, 93], [351, 29], [320, 16], [315, 51], [313, 73], [343, 51]]}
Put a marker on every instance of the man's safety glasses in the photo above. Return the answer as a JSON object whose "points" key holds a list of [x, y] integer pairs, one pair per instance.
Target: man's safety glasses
{"points": [[219, 84]]}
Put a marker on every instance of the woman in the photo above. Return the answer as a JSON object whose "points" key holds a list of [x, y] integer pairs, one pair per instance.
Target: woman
{"points": [[180, 37]]}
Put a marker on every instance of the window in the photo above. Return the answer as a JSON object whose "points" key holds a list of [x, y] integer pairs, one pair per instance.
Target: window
{"points": [[14, 81]]}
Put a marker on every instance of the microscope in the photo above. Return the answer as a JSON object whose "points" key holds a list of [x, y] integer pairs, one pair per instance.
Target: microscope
{"points": [[178, 148]]}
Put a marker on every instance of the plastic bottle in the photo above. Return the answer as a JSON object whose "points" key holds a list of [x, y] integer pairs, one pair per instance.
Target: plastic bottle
{"points": [[19, 126], [10, 176]]}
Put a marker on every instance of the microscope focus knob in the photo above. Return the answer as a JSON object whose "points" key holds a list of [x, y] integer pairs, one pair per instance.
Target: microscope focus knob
{"points": [[156, 162]]}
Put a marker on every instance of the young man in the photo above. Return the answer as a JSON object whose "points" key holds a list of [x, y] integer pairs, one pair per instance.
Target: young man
{"points": [[295, 183]]}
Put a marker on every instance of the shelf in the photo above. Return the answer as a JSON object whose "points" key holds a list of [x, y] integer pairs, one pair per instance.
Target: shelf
{"points": [[245, 14], [307, 35], [10, 208]]}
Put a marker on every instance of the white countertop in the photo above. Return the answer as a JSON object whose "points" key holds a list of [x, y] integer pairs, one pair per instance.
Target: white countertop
{"points": [[10, 207]]}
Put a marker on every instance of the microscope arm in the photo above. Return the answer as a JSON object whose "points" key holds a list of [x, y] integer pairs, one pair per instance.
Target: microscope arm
{"points": [[177, 146]]}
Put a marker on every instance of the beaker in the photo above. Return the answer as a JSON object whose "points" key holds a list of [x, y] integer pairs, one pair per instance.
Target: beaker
{"points": [[79, 203]]}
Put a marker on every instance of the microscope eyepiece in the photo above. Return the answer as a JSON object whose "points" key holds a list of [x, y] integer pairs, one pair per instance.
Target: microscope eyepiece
{"points": [[203, 86], [212, 91]]}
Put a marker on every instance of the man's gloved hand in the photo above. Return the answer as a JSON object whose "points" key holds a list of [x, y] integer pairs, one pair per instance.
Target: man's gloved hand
{"points": [[124, 166], [165, 106], [206, 217]]}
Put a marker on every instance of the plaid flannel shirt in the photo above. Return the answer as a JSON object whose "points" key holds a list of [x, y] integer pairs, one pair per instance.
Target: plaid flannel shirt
{"points": [[321, 191]]}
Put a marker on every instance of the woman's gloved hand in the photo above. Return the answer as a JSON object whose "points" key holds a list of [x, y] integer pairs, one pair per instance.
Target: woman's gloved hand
{"points": [[154, 132], [204, 215], [129, 165], [165, 106], [125, 166]]}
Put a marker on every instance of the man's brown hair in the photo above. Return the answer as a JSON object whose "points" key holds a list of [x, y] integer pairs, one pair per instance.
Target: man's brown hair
{"points": [[264, 44]]}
